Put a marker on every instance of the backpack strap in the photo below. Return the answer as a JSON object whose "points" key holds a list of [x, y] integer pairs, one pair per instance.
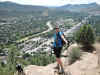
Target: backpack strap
{"points": [[63, 42]]}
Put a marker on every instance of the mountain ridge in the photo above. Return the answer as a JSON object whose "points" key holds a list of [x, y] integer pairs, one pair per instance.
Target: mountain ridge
{"points": [[82, 7], [6, 7]]}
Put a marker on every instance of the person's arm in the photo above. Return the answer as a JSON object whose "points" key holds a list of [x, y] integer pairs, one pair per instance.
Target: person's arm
{"points": [[62, 36]]}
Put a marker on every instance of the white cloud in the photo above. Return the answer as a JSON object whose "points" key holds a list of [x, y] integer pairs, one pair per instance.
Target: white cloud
{"points": [[40, 2], [52, 2]]}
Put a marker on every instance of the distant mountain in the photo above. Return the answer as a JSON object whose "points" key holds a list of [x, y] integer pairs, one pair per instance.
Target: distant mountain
{"points": [[14, 8], [92, 8], [19, 7], [10, 8]]}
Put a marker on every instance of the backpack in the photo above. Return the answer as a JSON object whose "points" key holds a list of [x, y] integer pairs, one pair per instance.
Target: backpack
{"points": [[63, 42]]}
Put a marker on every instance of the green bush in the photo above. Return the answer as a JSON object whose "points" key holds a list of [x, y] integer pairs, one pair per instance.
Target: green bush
{"points": [[9, 68], [41, 59], [5, 70], [74, 55], [6, 73], [85, 36]]}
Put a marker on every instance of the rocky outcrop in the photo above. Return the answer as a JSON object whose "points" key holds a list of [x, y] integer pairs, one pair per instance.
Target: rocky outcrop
{"points": [[87, 65]]}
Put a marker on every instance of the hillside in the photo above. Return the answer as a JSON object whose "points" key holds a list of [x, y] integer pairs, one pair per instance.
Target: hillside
{"points": [[87, 65], [82, 67], [14, 9], [92, 8], [10, 8]]}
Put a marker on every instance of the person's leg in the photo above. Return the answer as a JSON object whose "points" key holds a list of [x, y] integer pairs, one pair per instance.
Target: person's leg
{"points": [[58, 59], [61, 68], [59, 62], [57, 52]]}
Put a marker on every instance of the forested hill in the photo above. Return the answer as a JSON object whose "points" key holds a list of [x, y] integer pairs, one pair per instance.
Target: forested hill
{"points": [[14, 9], [92, 8]]}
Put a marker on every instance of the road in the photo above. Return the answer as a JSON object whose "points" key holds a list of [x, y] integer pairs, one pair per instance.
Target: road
{"points": [[76, 27], [49, 29]]}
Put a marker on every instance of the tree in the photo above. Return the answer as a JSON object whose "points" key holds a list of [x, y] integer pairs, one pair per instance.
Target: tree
{"points": [[12, 53], [9, 68], [85, 36]]}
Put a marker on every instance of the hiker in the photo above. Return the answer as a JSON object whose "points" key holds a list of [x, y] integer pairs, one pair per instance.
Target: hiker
{"points": [[59, 39]]}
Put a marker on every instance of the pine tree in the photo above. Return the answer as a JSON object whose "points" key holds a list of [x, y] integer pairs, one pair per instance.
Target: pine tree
{"points": [[85, 36]]}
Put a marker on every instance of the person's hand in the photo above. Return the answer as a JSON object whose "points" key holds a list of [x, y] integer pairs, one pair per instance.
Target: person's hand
{"points": [[66, 42]]}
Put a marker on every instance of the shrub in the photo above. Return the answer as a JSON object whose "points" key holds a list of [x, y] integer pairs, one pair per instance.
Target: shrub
{"points": [[42, 59], [9, 68], [6, 73], [85, 36], [74, 55]]}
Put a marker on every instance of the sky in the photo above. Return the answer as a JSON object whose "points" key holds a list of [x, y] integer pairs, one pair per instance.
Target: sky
{"points": [[52, 2]]}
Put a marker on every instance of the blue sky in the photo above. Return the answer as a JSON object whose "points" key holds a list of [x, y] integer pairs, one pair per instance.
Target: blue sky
{"points": [[53, 2]]}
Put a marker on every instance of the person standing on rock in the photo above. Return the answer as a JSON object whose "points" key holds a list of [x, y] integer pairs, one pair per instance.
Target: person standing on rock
{"points": [[59, 40]]}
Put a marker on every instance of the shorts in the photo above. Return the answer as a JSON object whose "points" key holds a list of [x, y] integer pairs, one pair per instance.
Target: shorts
{"points": [[57, 51]]}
